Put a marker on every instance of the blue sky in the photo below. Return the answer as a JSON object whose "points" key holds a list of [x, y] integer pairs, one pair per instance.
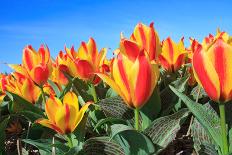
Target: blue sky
{"points": [[59, 23]]}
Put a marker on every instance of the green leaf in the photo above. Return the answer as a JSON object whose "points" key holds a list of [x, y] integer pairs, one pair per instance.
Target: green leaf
{"points": [[20, 104], [54, 87], [111, 93], [199, 134], [164, 129], [168, 99], [32, 116], [208, 149], [132, 141], [83, 89], [80, 131], [117, 128], [66, 89], [102, 145], [108, 120], [115, 107], [202, 116], [45, 145], [151, 109], [3, 126]]}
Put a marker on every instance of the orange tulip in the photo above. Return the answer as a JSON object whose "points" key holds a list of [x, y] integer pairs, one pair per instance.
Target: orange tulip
{"points": [[86, 61], [63, 117], [37, 66], [133, 78], [173, 55], [147, 38], [22, 86], [212, 68]]}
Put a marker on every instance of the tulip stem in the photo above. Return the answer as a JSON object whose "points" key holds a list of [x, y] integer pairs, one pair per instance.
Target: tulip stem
{"points": [[223, 129], [94, 94], [43, 95], [69, 139], [136, 111]]}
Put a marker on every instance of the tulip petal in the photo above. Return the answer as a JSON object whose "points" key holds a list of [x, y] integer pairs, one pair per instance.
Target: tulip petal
{"points": [[120, 71], [30, 57], [80, 115], [84, 69], [220, 54], [141, 80], [51, 107], [70, 98], [29, 92], [40, 74], [205, 74], [129, 48], [112, 84], [49, 124]]}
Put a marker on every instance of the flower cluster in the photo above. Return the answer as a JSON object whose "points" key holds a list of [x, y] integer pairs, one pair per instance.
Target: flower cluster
{"points": [[133, 73]]}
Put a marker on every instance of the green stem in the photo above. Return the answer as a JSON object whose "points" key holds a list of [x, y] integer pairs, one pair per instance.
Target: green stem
{"points": [[223, 128], [136, 111], [69, 139], [43, 95], [94, 94]]}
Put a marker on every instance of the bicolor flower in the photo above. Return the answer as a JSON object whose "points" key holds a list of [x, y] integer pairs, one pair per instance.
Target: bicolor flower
{"points": [[147, 38], [2, 87], [190, 51], [173, 55], [212, 69], [86, 61], [22, 86], [63, 117], [134, 78], [60, 66], [36, 65]]}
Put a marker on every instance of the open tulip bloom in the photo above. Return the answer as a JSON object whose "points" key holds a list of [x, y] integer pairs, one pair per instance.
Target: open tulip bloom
{"points": [[63, 117]]}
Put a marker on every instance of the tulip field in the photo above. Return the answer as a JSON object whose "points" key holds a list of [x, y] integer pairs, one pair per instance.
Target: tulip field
{"points": [[151, 97]]}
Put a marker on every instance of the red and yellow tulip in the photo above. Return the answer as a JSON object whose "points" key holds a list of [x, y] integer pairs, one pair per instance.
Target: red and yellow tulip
{"points": [[2, 87], [173, 55], [147, 38], [133, 78], [86, 61], [22, 86], [35, 65], [63, 117], [212, 69], [59, 67]]}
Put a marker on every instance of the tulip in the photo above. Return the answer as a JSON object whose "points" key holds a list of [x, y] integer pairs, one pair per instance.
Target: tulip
{"points": [[2, 87], [60, 66], [147, 38], [212, 68], [133, 78], [86, 61], [22, 86], [35, 65], [63, 117], [173, 55]]}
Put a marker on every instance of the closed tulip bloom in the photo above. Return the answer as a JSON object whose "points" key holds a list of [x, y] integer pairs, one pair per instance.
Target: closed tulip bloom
{"points": [[2, 87], [35, 65], [134, 78], [173, 55], [212, 69], [63, 117], [147, 38]]}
